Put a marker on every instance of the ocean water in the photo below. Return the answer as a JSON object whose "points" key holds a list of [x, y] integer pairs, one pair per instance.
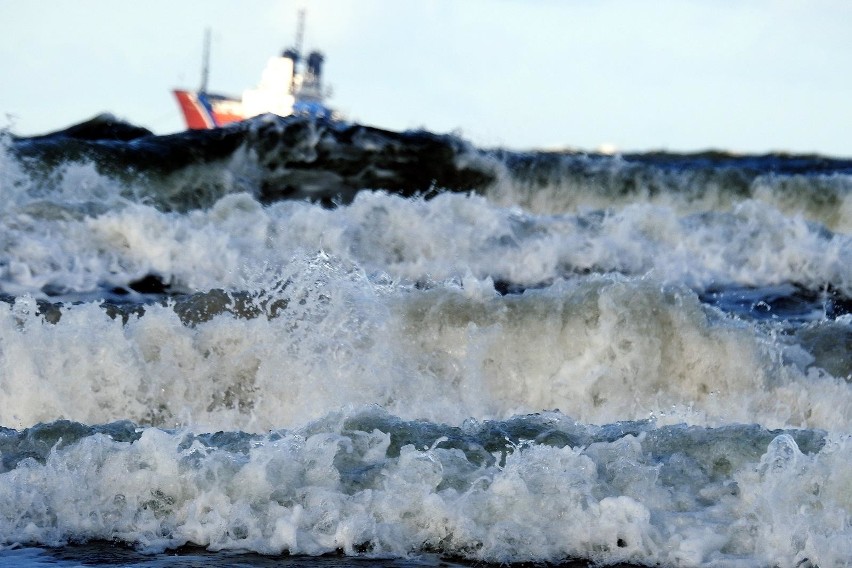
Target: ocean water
{"points": [[301, 343]]}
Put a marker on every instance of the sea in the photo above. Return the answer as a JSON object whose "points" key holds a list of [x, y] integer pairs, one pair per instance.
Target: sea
{"points": [[296, 342]]}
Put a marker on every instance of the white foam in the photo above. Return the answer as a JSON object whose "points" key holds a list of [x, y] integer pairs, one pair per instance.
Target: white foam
{"points": [[448, 237], [607, 502], [398, 311], [797, 506], [601, 350], [68, 190]]}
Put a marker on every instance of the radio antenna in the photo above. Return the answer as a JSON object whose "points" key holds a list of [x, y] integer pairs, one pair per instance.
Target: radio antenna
{"points": [[300, 31]]}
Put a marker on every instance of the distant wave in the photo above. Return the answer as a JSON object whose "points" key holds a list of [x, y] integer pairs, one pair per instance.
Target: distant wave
{"points": [[329, 162]]}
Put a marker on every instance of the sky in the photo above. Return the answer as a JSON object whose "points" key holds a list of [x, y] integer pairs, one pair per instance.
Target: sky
{"points": [[680, 75]]}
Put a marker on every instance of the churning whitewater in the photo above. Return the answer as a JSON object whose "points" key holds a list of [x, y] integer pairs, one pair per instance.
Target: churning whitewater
{"points": [[302, 337]]}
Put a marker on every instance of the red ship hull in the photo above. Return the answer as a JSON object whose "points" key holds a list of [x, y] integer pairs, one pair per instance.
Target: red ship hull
{"points": [[206, 110]]}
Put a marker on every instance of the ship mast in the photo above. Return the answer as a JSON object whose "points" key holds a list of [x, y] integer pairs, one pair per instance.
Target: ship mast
{"points": [[205, 62]]}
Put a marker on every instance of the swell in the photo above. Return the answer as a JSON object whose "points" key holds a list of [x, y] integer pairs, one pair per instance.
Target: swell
{"points": [[270, 157], [275, 158], [816, 187]]}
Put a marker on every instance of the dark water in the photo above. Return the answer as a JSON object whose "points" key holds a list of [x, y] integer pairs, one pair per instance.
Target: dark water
{"points": [[105, 554], [314, 343]]}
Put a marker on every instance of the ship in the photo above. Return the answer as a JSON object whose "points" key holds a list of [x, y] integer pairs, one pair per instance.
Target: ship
{"points": [[291, 84]]}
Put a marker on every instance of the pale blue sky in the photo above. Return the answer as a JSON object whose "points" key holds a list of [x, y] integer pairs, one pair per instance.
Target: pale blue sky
{"points": [[747, 75]]}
